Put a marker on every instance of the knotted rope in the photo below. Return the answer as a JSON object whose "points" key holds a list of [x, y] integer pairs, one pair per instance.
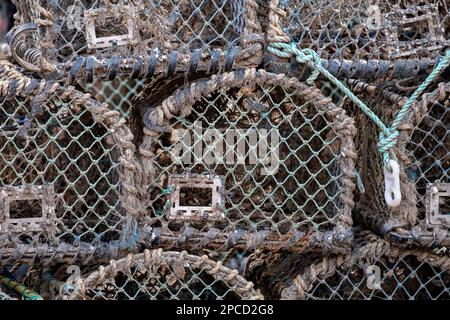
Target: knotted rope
{"points": [[388, 135]]}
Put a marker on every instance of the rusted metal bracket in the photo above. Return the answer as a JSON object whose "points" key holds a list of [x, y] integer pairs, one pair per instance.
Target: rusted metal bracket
{"points": [[46, 222], [178, 211], [434, 203], [92, 17]]}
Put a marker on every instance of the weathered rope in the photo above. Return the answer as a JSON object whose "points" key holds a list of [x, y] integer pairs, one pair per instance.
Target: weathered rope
{"points": [[388, 142], [179, 264], [4, 296], [388, 135], [370, 251], [83, 253], [14, 83], [19, 288], [180, 104]]}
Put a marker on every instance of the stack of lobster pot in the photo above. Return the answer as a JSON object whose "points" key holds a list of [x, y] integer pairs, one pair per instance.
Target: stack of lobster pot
{"points": [[225, 149]]}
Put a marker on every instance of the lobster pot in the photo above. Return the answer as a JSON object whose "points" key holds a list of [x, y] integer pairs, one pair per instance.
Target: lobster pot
{"points": [[406, 276], [164, 275], [428, 150], [249, 158], [363, 29], [61, 167], [422, 154], [375, 270], [137, 38]]}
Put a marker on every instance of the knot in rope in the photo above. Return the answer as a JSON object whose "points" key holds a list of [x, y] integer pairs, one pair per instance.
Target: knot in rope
{"points": [[389, 135], [287, 50], [387, 140]]}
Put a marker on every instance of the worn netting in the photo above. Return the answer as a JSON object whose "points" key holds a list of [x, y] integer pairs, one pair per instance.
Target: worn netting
{"points": [[364, 40], [429, 146], [422, 153], [360, 29], [117, 93], [44, 279], [375, 270], [137, 38], [162, 275], [65, 167], [4, 296], [296, 190]]}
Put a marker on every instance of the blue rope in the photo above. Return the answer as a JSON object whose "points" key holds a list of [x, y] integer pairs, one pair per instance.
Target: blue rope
{"points": [[129, 234], [390, 141], [388, 136], [36, 297], [168, 191], [359, 182]]}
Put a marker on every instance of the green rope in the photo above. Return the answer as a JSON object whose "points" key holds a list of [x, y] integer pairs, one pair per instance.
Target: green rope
{"points": [[388, 142], [168, 191], [24, 291], [129, 235], [388, 136], [359, 182]]}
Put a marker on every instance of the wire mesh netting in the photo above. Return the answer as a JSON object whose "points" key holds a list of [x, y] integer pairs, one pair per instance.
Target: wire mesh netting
{"points": [[367, 40], [298, 182], [224, 128], [62, 166], [362, 29], [134, 37], [4, 296], [117, 93], [422, 152], [374, 270], [158, 275]]}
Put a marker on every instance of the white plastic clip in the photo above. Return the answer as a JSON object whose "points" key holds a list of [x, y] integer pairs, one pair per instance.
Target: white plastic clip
{"points": [[392, 193]]}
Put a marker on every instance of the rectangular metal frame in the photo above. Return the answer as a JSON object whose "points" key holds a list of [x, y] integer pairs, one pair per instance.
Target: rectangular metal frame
{"points": [[42, 224], [435, 191], [428, 13], [94, 42], [189, 213]]}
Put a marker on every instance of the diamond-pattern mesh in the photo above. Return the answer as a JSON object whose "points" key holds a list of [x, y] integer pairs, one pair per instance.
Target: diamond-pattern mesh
{"points": [[171, 275], [141, 285], [132, 30], [64, 149], [116, 93], [401, 278], [422, 151], [429, 149], [362, 29], [306, 188], [297, 185]]}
